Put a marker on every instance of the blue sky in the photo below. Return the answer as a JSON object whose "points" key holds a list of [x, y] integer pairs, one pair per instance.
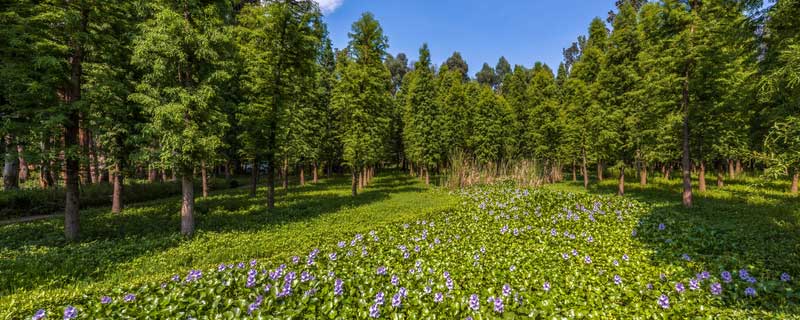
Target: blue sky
{"points": [[524, 31]]}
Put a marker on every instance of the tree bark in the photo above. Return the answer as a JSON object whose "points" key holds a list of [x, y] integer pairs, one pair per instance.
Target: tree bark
{"points": [[574, 174], [738, 167], [164, 175], [669, 172], [354, 184], [187, 204], [228, 170], [643, 174], [315, 169], [204, 178], [151, 175], [795, 180], [116, 195], [686, 160], [71, 93], [621, 189], [702, 176], [731, 170], [584, 170], [10, 164], [720, 174], [600, 170], [427, 177], [254, 178], [285, 174], [302, 175], [270, 183], [23, 165]]}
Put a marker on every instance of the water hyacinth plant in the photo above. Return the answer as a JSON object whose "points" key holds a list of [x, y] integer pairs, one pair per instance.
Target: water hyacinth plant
{"points": [[486, 259]]}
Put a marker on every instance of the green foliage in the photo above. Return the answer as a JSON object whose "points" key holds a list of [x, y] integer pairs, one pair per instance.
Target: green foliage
{"points": [[424, 130]]}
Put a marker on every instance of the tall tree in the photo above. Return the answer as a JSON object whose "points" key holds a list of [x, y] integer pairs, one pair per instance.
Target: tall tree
{"points": [[486, 76], [456, 63], [423, 117]]}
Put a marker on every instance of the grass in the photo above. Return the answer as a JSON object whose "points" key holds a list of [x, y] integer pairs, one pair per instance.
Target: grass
{"points": [[142, 245]]}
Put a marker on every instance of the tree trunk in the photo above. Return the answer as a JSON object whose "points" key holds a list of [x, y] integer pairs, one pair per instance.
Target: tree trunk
{"points": [[72, 180], [315, 174], [270, 182], [584, 170], [731, 169], [116, 195], [669, 172], [574, 174], [151, 175], [427, 177], [94, 161], [187, 204], [354, 184], [10, 164], [621, 188], [600, 170], [686, 160], [720, 174], [702, 176], [738, 167], [302, 175], [204, 178], [410, 168], [254, 178], [285, 174], [23, 165], [643, 175], [795, 180]]}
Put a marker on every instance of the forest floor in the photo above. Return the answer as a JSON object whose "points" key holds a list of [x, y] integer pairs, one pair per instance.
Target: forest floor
{"points": [[142, 245], [750, 221]]}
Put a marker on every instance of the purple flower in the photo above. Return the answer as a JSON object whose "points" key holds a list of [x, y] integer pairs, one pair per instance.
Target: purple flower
{"points": [[194, 275], [553, 232], [396, 300], [332, 256], [337, 287], [395, 280], [565, 256], [449, 284], [590, 239], [661, 226], [310, 292], [379, 298], [129, 297], [663, 301], [105, 300], [381, 271], [240, 265], [726, 277], [546, 286], [221, 267], [70, 312], [617, 279], [751, 279], [374, 312], [512, 268], [498, 305], [403, 292], [743, 274], [633, 234], [587, 259], [506, 290], [686, 257], [474, 302], [649, 286], [785, 277], [176, 278], [305, 277], [253, 263], [703, 275], [625, 257], [427, 289], [615, 263], [40, 314], [574, 252], [694, 284], [342, 244], [438, 297], [255, 305], [504, 229], [679, 287], [716, 288], [750, 292], [295, 259]]}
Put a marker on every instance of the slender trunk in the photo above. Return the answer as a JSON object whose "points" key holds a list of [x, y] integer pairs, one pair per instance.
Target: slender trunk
{"points": [[174, 175], [228, 170], [204, 178], [83, 140], [103, 168], [302, 175], [669, 172], [151, 175], [427, 177], [686, 159], [95, 161], [354, 184], [731, 168], [643, 175], [23, 165], [795, 180], [738, 167], [702, 176], [315, 175], [116, 195], [600, 170], [285, 174], [270, 182], [164, 175], [584, 170], [71, 94], [10, 164], [621, 188], [187, 204], [574, 174], [410, 168], [720, 174], [254, 178]]}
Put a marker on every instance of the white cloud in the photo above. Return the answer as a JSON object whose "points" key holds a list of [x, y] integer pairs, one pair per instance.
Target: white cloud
{"points": [[328, 6]]}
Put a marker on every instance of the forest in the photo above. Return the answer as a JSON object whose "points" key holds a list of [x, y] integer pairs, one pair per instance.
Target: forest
{"points": [[113, 103]]}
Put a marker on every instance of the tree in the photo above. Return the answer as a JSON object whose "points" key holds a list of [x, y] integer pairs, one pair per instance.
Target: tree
{"points": [[486, 76], [456, 63], [423, 117], [179, 51], [502, 69], [361, 97]]}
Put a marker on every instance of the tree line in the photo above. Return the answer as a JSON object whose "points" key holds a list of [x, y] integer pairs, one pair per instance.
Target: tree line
{"points": [[101, 91]]}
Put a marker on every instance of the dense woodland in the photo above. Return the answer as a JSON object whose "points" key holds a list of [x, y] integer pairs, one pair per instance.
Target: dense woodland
{"points": [[103, 91]]}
